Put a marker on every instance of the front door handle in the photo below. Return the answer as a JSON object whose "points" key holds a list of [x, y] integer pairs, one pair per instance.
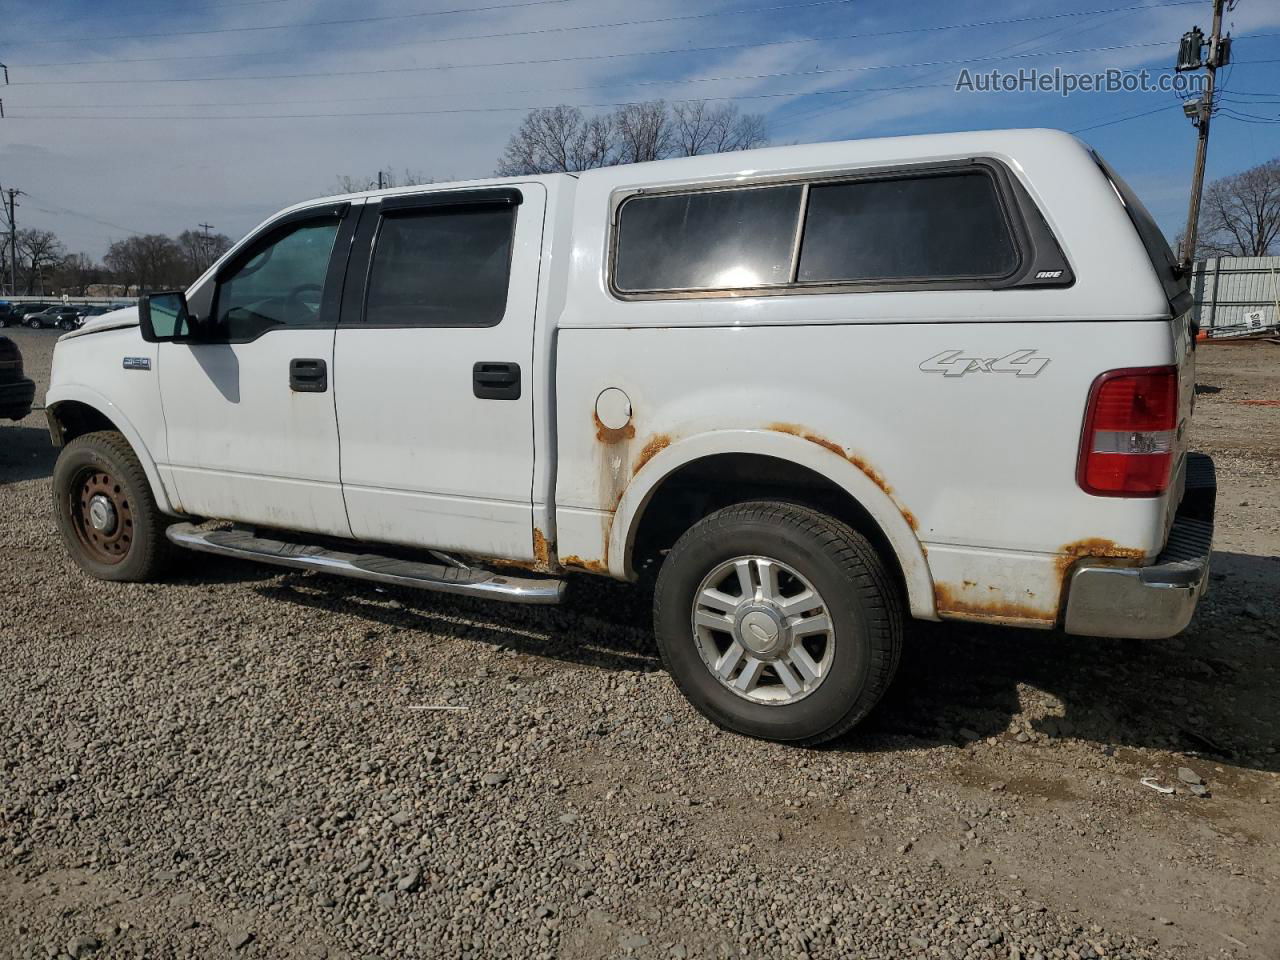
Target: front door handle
{"points": [[308, 375], [494, 380]]}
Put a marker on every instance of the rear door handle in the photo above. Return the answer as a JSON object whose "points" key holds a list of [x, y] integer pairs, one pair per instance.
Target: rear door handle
{"points": [[308, 375], [496, 380]]}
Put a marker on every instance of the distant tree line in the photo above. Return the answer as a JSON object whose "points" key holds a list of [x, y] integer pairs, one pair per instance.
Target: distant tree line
{"points": [[141, 262], [563, 139]]}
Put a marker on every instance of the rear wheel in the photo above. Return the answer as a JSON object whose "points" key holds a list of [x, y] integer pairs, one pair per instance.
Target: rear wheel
{"points": [[778, 621], [106, 514]]}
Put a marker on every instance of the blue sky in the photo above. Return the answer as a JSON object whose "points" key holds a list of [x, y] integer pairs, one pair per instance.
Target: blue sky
{"points": [[188, 112]]}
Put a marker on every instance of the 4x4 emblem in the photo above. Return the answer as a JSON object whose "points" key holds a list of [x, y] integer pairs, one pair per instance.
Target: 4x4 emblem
{"points": [[953, 363]]}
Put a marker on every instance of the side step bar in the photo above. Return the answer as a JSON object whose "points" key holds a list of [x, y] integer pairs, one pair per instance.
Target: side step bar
{"points": [[441, 577]]}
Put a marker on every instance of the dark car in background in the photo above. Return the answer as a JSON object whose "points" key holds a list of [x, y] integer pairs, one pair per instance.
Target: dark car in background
{"points": [[16, 390], [12, 314]]}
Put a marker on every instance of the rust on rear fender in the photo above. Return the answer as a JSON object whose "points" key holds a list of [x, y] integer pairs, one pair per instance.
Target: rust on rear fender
{"points": [[870, 472], [657, 443]]}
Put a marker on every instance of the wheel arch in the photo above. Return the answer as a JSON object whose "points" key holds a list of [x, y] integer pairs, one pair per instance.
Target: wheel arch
{"points": [[798, 468], [73, 411]]}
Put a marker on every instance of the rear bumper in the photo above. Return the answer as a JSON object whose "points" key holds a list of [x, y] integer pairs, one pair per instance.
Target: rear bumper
{"points": [[16, 399], [1155, 601]]}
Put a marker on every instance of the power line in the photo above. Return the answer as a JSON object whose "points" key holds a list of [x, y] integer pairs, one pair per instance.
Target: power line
{"points": [[1132, 116], [296, 26], [75, 213], [149, 11], [810, 115], [447, 111], [1000, 21], [596, 57], [1247, 117]]}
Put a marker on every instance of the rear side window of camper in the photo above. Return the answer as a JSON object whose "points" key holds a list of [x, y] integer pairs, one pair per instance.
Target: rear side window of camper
{"points": [[908, 229]]}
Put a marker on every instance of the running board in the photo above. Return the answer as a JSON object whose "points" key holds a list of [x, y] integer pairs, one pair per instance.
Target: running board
{"points": [[442, 577]]}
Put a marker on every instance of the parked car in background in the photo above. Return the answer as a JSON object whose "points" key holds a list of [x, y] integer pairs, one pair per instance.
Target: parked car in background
{"points": [[66, 317], [16, 390], [18, 312], [815, 389]]}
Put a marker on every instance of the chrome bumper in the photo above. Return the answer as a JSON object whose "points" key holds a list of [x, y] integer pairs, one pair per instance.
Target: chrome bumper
{"points": [[1157, 601]]}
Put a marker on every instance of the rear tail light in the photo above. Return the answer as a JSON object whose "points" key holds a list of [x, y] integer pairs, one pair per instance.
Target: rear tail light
{"points": [[1130, 433]]}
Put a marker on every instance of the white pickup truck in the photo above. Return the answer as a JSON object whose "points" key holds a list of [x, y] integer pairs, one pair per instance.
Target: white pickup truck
{"points": [[811, 388]]}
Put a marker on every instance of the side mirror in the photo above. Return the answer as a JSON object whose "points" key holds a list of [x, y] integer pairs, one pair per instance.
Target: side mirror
{"points": [[163, 317]]}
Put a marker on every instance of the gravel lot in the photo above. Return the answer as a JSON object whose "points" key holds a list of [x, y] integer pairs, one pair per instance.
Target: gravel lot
{"points": [[231, 764]]}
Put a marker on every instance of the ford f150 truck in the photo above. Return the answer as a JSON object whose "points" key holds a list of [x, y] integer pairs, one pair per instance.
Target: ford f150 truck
{"points": [[814, 389]]}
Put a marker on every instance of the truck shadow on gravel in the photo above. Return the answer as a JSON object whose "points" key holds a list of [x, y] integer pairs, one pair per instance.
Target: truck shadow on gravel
{"points": [[25, 454], [1209, 691]]}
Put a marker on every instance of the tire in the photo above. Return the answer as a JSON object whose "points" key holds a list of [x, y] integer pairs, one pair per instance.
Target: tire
{"points": [[133, 547], [822, 566], [68, 325], [34, 324]]}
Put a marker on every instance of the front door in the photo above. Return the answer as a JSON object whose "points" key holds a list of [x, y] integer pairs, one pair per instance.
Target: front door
{"points": [[249, 412], [433, 370]]}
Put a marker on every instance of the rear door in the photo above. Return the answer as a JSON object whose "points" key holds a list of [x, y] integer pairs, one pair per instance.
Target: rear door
{"points": [[432, 370]]}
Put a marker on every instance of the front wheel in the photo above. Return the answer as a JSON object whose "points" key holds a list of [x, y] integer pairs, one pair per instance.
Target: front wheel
{"points": [[106, 514], [778, 621]]}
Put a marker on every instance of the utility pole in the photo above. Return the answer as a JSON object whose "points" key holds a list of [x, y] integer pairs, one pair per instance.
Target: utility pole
{"points": [[379, 179], [1200, 113], [206, 245], [11, 193]]}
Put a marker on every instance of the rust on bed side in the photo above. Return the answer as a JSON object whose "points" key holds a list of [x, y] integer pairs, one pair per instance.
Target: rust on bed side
{"points": [[952, 602]]}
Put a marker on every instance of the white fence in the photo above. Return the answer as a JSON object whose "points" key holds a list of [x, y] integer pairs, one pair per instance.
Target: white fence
{"points": [[1237, 296], [74, 301]]}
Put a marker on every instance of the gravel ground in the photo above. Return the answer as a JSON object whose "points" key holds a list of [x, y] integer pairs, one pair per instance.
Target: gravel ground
{"points": [[233, 764]]}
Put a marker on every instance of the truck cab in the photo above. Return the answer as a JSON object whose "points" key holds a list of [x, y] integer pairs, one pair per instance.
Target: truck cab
{"points": [[802, 392]]}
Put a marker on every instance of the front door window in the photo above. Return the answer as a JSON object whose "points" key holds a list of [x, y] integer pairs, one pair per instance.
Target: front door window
{"points": [[280, 285]]}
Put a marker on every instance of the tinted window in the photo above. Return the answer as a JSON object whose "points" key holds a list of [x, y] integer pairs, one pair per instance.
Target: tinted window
{"points": [[935, 227], [707, 241], [280, 285], [441, 266]]}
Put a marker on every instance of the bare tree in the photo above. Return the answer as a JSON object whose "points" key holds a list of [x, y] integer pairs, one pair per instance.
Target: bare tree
{"points": [[1241, 214], [700, 128], [38, 251], [200, 250], [388, 177], [147, 262], [563, 139], [76, 273], [645, 131], [558, 140]]}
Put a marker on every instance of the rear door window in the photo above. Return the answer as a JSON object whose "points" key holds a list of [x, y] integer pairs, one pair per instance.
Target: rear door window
{"points": [[441, 267]]}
